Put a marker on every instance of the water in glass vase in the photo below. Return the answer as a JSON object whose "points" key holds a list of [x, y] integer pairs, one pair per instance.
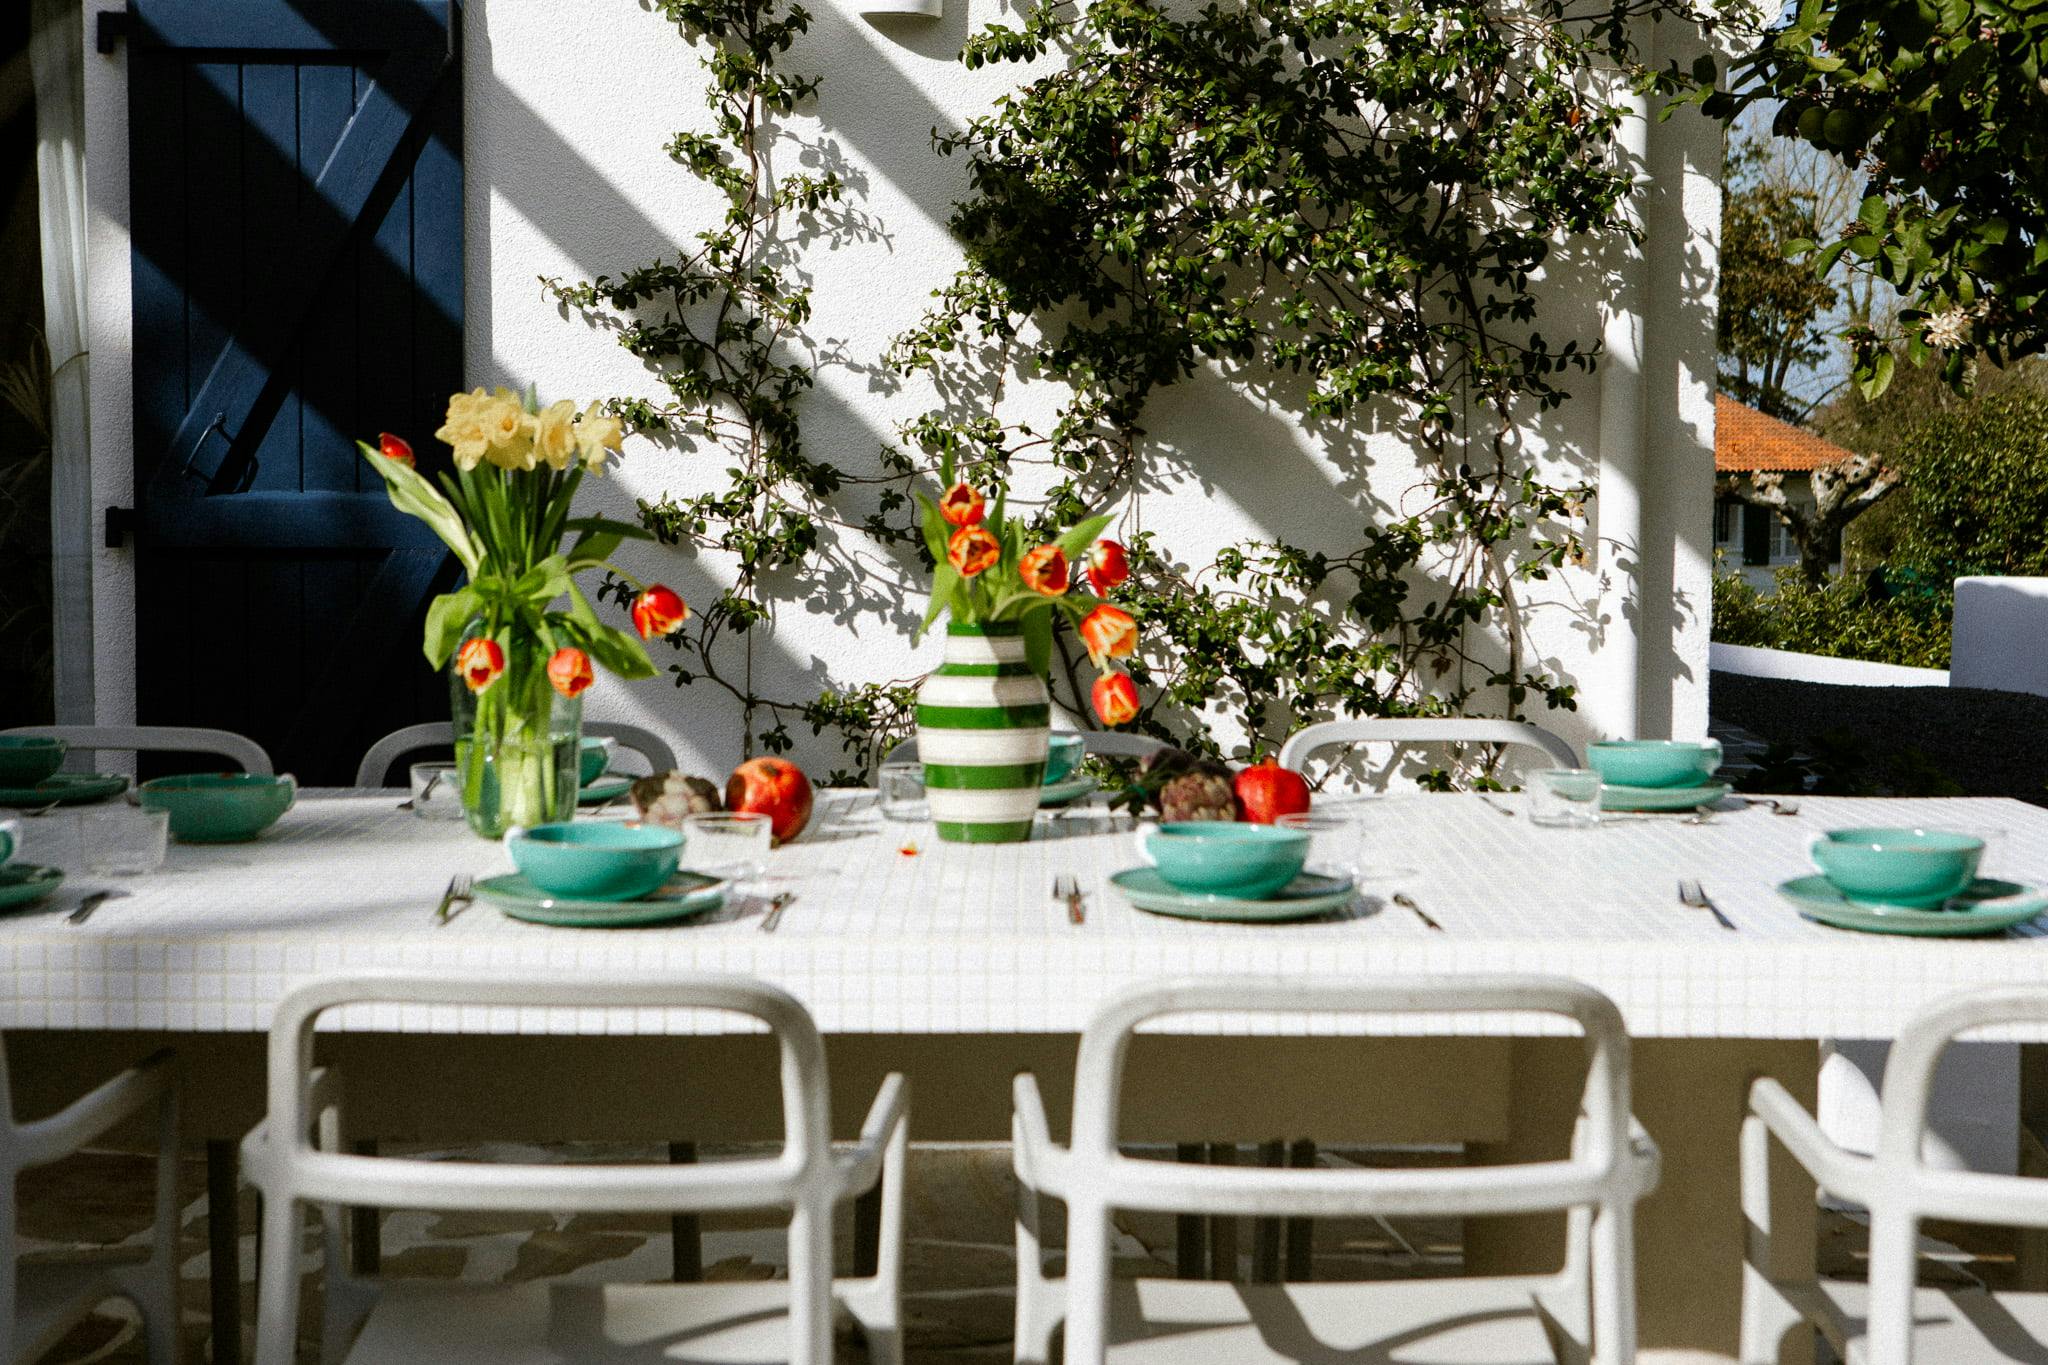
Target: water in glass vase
{"points": [[517, 782]]}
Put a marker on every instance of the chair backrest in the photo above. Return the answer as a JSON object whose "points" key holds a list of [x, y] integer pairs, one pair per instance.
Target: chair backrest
{"points": [[801, 1174], [162, 739], [1107, 743], [1599, 1172], [1406, 730], [375, 769]]}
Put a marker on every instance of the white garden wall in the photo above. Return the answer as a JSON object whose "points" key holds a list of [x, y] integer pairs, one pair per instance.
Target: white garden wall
{"points": [[566, 176]]}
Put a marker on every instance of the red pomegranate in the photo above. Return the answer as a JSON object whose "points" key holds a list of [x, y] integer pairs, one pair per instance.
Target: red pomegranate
{"points": [[773, 787], [1267, 791]]}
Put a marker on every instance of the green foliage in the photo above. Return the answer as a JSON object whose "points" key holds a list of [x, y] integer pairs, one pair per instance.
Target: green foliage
{"points": [[1942, 105], [1841, 619], [1770, 306], [1347, 200], [1976, 498]]}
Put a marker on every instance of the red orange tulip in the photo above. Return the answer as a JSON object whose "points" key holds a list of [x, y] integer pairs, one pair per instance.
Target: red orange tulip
{"points": [[1109, 633], [569, 671], [1108, 565], [480, 661], [963, 506], [659, 611], [971, 550], [394, 448], [1116, 698], [1044, 570]]}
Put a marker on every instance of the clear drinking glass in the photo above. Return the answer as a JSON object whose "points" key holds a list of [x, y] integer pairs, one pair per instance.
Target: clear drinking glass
{"points": [[122, 841], [727, 843], [436, 791], [1335, 840], [1564, 798], [902, 789]]}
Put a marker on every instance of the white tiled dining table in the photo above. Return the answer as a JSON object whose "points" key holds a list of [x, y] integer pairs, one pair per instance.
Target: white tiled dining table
{"points": [[955, 962]]}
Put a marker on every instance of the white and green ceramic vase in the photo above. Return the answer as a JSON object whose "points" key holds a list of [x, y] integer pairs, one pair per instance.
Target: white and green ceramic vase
{"points": [[983, 722]]}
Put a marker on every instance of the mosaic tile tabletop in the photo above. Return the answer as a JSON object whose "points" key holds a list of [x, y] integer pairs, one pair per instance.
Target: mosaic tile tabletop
{"points": [[892, 931]]}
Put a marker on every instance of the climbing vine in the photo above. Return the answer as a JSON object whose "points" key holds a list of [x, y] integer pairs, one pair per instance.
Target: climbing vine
{"points": [[1343, 208], [1340, 205]]}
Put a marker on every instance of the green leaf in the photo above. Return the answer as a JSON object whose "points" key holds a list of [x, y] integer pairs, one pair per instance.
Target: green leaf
{"points": [[413, 495], [934, 527], [1037, 635], [1076, 541], [944, 579], [544, 582], [447, 615], [617, 651]]}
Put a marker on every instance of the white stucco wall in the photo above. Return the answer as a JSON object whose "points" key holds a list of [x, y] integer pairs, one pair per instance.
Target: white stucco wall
{"points": [[566, 176]]}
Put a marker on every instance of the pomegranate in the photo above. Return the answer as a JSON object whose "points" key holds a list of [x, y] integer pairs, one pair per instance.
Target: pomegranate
{"points": [[773, 787], [1268, 791]]}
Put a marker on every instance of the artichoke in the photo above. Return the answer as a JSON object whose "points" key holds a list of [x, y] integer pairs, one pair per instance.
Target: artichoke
{"points": [[665, 798], [1203, 794]]}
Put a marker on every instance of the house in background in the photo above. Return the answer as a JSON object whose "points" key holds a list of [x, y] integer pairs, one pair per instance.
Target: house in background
{"points": [[1754, 539]]}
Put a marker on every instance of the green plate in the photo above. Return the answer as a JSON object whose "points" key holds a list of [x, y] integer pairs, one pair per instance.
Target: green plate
{"points": [[66, 789], [607, 787], [1984, 907], [685, 894], [25, 884], [1067, 790], [1662, 798], [1307, 896]]}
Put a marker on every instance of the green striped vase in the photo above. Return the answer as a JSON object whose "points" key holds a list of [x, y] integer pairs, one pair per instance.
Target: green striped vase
{"points": [[983, 719]]}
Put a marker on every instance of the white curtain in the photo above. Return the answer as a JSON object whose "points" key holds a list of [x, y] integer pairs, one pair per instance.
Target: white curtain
{"points": [[57, 58]]}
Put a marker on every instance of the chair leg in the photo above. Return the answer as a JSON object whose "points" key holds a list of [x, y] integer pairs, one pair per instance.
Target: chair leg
{"points": [[224, 1249], [1222, 1230], [1190, 1231], [277, 1283], [2031, 1252], [1301, 1232], [685, 1233], [867, 1232]]}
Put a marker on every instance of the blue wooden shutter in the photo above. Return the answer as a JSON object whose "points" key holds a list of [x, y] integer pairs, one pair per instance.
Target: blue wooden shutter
{"points": [[296, 215]]}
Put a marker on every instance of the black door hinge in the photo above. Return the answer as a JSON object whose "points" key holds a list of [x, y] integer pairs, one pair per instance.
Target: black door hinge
{"points": [[120, 525], [110, 26]]}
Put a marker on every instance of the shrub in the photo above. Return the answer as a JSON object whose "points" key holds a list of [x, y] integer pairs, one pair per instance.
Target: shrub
{"points": [[1976, 499], [1842, 620]]}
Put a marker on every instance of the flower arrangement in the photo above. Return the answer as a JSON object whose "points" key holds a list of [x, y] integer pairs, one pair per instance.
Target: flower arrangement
{"points": [[986, 571], [504, 510]]}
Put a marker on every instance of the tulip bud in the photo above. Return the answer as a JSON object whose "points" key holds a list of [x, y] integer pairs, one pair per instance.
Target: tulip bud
{"points": [[1108, 565], [659, 611], [394, 448], [1116, 698], [480, 661], [569, 671]]}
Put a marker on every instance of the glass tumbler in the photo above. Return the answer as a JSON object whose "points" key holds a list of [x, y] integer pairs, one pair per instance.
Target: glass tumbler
{"points": [[1564, 798], [728, 843], [436, 791], [1335, 840], [902, 788], [122, 841]]}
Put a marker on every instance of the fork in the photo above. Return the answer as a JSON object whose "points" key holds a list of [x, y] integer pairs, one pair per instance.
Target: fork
{"points": [[773, 918], [460, 888], [1066, 888], [1692, 893]]}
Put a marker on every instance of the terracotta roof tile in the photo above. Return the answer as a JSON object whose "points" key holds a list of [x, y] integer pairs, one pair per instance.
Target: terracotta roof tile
{"points": [[1747, 441]]}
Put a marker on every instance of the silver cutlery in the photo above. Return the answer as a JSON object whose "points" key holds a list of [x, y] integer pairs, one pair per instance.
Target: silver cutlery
{"points": [[1778, 806], [433, 780], [1066, 888], [1494, 805], [90, 904], [1407, 902], [775, 909], [461, 888], [1693, 894]]}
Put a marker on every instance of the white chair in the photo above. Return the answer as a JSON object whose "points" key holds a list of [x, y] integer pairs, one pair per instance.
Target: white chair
{"points": [[1590, 1303], [40, 1302], [295, 1157], [1403, 730], [1887, 1321], [160, 739], [375, 769], [1106, 743]]}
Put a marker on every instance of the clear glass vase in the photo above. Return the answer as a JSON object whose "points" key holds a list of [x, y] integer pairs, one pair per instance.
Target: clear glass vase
{"points": [[516, 743]]}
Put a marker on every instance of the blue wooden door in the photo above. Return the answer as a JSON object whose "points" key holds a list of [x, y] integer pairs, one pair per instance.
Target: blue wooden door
{"points": [[296, 213]]}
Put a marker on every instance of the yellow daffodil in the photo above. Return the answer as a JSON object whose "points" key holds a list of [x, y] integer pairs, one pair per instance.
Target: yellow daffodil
{"points": [[464, 428], [596, 433], [554, 434], [509, 429]]}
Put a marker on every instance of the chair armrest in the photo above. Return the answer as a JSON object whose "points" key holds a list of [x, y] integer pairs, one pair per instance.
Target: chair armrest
{"points": [[1040, 1163], [97, 1112], [1645, 1157], [859, 1168], [1837, 1172]]}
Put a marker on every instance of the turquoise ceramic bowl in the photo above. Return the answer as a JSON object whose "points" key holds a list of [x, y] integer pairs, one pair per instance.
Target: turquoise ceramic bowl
{"points": [[1222, 858], [10, 832], [220, 808], [1916, 867], [1063, 755], [27, 759], [1655, 762], [592, 759], [597, 860]]}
